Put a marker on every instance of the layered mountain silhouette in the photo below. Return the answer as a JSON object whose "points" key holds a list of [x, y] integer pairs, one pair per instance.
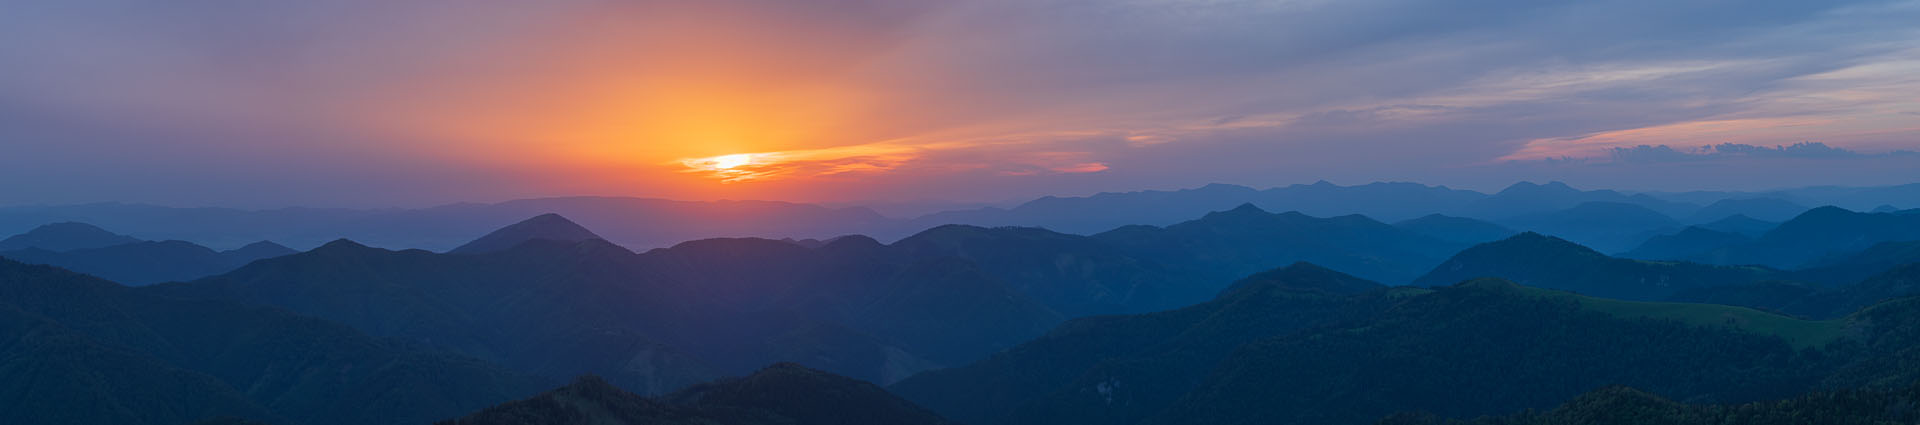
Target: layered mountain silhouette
{"points": [[1740, 224], [658, 321], [1604, 226], [1548, 262], [852, 305], [1106, 211], [1480, 347], [1691, 242], [1247, 239], [782, 394], [1119, 369], [66, 236], [146, 263], [1456, 229], [1527, 198], [1765, 209], [77, 246], [1198, 306], [1819, 233], [548, 226], [636, 222], [80, 350]]}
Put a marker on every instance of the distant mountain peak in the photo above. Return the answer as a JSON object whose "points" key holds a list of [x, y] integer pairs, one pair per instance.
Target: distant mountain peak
{"points": [[342, 244], [1828, 210], [1535, 242], [1531, 187], [1224, 187], [850, 242], [65, 236], [1303, 276], [1244, 210], [264, 245], [263, 249], [547, 226]]}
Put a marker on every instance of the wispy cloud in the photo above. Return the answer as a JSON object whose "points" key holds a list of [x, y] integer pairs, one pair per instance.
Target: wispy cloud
{"points": [[863, 160], [1723, 151], [992, 96]]}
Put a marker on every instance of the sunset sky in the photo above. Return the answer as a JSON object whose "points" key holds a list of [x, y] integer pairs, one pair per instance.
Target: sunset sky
{"points": [[267, 103]]}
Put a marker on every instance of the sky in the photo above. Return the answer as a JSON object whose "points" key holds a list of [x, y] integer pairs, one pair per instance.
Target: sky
{"points": [[266, 103]]}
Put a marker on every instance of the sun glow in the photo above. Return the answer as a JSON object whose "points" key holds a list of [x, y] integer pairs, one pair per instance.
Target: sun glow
{"points": [[725, 162]]}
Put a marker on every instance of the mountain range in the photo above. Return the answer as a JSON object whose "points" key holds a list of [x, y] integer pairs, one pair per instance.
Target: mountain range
{"points": [[124, 259], [1544, 261], [650, 223], [64, 236], [1512, 311], [850, 305], [1479, 347], [1818, 234]]}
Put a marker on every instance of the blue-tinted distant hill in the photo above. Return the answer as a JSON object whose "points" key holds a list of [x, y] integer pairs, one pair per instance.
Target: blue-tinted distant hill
{"points": [[1765, 209], [1853, 198], [65, 236], [1817, 234], [1106, 211], [1527, 198], [1604, 226], [637, 222], [1383, 201], [1548, 262], [1247, 239], [656, 321], [548, 226], [1691, 242], [135, 262], [650, 223], [850, 305], [1456, 229], [1740, 224]]}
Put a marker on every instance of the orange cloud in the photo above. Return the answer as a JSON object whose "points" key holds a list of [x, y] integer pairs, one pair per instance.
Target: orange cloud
{"points": [[1678, 134], [747, 167], [947, 157]]}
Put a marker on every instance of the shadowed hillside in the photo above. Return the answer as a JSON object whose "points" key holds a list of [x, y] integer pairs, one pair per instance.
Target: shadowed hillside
{"points": [[80, 350], [782, 394], [1549, 262]]}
